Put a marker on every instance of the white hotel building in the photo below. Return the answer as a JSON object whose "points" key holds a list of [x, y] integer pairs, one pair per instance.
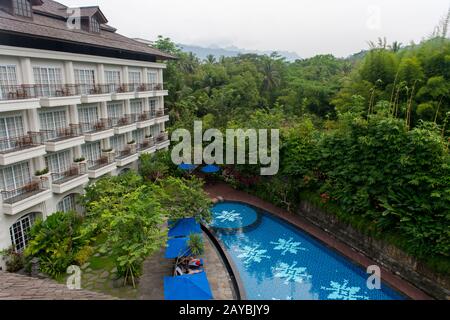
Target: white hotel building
{"points": [[77, 99]]}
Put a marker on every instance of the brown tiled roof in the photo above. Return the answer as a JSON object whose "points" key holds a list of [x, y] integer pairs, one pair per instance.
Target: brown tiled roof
{"points": [[18, 287], [49, 21]]}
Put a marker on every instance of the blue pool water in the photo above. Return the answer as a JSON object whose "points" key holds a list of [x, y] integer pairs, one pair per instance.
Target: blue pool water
{"points": [[277, 261]]}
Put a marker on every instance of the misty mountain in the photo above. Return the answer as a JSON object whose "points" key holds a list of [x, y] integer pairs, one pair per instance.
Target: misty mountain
{"points": [[203, 52]]}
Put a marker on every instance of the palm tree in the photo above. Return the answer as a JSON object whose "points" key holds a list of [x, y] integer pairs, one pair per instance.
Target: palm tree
{"points": [[189, 63], [211, 59], [272, 78], [395, 46]]}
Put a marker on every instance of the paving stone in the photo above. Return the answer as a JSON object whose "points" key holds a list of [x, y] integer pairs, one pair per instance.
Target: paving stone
{"points": [[16, 287]]}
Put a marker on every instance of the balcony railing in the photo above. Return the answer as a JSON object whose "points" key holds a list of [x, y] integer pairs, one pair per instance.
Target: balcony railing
{"points": [[96, 126], [162, 137], [124, 120], [30, 140], [147, 115], [26, 191], [17, 92], [29, 91], [74, 171], [146, 144], [126, 152], [56, 90], [74, 130], [101, 162]]}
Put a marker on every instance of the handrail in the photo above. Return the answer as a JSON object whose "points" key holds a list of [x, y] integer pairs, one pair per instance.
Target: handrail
{"points": [[96, 126], [32, 139], [28, 189], [30, 91], [74, 171], [72, 131]]}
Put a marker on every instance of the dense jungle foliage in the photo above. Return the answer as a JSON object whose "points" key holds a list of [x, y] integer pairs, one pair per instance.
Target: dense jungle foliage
{"points": [[366, 137]]}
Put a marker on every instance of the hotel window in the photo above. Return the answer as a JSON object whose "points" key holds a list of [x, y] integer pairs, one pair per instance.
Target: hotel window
{"points": [[112, 79], [22, 8], [152, 77], [91, 151], [10, 128], [86, 79], [95, 26], [19, 231], [139, 135], [153, 106], [88, 116], [51, 122], [14, 177], [67, 204], [49, 80], [135, 79], [156, 130], [8, 79], [58, 162], [115, 111], [118, 142], [136, 106]]}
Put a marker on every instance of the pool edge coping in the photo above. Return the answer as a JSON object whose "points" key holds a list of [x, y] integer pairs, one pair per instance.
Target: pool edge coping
{"points": [[231, 268], [354, 255]]}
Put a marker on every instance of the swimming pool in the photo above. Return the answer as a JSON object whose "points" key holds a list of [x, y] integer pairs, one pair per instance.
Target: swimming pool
{"points": [[277, 261]]}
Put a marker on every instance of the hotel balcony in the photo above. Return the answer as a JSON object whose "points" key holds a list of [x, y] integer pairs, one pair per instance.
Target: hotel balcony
{"points": [[31, 96], [95, 93], [162, 141], [161, 117], [147, 90], [124, 124], [74, 177], [64, 138], [147, 146], [59, 94], [128, 155], [102, 129], [136, 90], [35, 192], [18, 98], [145, 119], [104, 165], [21, 148]]}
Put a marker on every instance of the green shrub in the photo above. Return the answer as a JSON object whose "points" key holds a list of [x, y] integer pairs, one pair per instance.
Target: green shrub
{"points": [[14, 260], [196, 244], [82, 256], [56, 242]]}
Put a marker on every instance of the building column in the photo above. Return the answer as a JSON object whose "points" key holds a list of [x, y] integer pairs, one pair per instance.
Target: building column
{"points": [[69, 72], [27, 71], [101, 73], [103, 110], [73, 114], [146, 105], [145, 76], [127, 107], [125, 77]]}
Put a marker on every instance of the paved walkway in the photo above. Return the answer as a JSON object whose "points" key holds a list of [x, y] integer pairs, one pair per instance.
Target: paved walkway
{"points": [[226, 192], [151, 284], [18, 287]]}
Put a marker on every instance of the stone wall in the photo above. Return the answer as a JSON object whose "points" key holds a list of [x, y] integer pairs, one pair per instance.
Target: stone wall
{"points": [[389, 256]]}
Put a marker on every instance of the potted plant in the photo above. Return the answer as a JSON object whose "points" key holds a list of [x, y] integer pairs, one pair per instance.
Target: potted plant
{"points": [[80, 159], [196, 244], [42, 172], [31, 187]]}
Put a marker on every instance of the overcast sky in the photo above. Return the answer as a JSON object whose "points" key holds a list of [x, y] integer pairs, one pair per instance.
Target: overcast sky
{"points": [[307, 27]]}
